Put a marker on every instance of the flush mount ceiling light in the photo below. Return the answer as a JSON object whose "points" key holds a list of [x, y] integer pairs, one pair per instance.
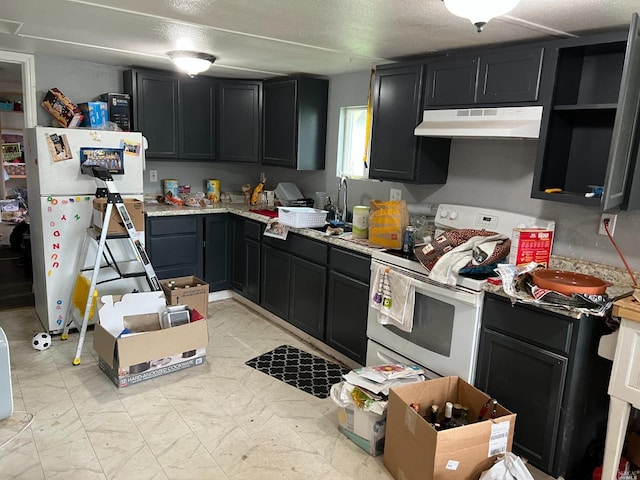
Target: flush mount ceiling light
{"points": [[192, 63], [479, 12]]}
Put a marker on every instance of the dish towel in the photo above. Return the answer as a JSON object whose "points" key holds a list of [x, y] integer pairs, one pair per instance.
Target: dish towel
{"points": [[393, 297], [474, 251]]}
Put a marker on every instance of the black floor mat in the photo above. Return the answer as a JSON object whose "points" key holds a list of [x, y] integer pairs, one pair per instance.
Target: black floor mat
{"points": [[300, 369]]}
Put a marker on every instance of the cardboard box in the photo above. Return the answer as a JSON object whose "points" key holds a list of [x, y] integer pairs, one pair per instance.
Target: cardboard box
{"points": [[190, 291], [62, 109], [414, 450], [95, 114], [365, 429], [134, 207], [531, 245], [148, 352]]}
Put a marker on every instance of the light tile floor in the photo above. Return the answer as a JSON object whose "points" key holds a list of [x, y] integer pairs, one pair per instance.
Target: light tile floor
{"points": [[220, 420]]}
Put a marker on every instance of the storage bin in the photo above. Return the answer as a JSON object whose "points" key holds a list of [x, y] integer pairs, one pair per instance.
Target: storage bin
{"points": [[302, 217]]}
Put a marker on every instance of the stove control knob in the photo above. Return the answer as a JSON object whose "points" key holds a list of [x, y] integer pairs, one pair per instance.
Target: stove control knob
{"points": [[444, 213], [453, 215]]}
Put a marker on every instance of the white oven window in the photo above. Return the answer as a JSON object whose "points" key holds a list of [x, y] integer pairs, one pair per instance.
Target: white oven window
{"points": [[432, 325]]}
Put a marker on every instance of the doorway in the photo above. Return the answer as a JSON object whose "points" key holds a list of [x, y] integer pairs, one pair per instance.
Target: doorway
{"points": [[17, 79]]}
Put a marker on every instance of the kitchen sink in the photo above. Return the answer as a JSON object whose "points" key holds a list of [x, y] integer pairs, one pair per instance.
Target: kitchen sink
{"points": [[346, 228]]}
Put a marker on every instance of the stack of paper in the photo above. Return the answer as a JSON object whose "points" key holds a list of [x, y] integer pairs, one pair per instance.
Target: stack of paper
{"points": [[380, 378]]}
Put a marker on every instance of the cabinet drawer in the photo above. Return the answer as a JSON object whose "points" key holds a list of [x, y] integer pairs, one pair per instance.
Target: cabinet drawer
{"points": [[530, 324], [173, 225], [253, 229], [350, 263], [301, 247]]}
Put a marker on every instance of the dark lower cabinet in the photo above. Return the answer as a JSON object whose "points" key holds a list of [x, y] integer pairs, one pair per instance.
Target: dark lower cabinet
{"points": [[348, 303], [545, 367], [245, 257], [217, 234], [308, 293], [175, 245], [276, 281]]}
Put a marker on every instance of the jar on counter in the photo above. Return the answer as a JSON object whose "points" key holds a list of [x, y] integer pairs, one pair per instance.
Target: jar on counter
{"points": [[360, 222]]}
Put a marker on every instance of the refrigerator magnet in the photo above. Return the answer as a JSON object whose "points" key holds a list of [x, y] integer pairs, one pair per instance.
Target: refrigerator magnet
{"points": [[59, 147], [130, 147], [109, 158]]}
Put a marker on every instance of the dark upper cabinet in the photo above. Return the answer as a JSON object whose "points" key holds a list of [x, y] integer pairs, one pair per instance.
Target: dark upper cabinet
{"points": [[590, 132], [295, 123], [155, 110], [239, 121], [396, 153], [196, 118], [176, 114], [217, 260], [510, 76], [452, 81]]}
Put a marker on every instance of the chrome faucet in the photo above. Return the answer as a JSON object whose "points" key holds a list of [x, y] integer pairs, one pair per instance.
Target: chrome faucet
{"points": [[342, 198]]}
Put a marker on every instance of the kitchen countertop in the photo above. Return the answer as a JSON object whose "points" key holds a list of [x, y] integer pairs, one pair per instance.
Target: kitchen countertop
{"points": [[618, 277], [344, 241]]}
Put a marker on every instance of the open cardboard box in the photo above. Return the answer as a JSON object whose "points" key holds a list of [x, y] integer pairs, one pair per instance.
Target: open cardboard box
{"points": [[135, 209], [148, 351], [189, 290], [414, 450]]}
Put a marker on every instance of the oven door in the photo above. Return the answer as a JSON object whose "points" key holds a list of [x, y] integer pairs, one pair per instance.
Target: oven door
{"points": [[446, 329]]}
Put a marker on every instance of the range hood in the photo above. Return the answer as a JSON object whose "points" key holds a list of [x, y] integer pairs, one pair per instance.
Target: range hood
{"points": [[504, 122]]}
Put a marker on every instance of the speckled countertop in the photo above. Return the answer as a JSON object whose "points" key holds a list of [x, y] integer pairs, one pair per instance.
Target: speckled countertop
{"points": [[621, 282], [345, 241]]}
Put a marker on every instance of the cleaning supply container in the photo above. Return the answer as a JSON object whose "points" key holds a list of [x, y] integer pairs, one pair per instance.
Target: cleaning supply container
{"points": [[360, 222]]}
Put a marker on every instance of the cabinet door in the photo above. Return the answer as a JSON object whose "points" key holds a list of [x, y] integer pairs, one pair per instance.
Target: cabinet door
{"points": [[512, 76], [238, 254], [196, 120], [239, 125], [530, 381], [280, 123], [397, 112], [347, 309], [308, 288], [452, 81], [217, 263], [155, 107], [174, 245], [276, 281], [252, 275]]}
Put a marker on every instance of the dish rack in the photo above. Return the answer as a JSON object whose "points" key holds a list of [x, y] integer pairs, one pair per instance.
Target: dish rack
{"points": [[302, 217]]}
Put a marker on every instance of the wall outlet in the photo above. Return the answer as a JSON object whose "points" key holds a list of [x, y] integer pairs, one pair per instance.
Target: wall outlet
{"points": [[395, 194], [612, 223], [153, 175]]}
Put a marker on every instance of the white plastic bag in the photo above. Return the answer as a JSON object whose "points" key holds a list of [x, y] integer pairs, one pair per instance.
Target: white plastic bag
{"points": [[507, 467]]}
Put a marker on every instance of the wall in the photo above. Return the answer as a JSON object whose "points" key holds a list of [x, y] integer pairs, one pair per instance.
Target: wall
{"points": [[490, 173]]}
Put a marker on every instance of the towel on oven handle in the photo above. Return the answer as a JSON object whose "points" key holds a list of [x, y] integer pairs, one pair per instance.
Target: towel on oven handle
{"points": [[394, 297]]}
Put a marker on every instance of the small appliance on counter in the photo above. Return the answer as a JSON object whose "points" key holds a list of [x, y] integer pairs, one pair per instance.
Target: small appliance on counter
{"points": [[290, 195]]}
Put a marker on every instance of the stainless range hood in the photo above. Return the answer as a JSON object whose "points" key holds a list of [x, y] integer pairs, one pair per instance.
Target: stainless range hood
{"points": [[504, 122]]}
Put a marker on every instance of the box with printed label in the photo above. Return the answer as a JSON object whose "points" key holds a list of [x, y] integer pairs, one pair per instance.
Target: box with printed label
{"points": [[135, 209], [62, 109], [365, 429], [95, 114], [414, 450], [146, 351], [189, 290], [531, 245]]}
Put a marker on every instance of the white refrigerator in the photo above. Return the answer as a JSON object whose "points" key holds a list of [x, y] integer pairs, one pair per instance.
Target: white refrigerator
{"points": [[61, 207]]}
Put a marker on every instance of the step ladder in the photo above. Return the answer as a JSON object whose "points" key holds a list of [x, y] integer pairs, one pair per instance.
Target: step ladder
{"points": [[84, 294]]}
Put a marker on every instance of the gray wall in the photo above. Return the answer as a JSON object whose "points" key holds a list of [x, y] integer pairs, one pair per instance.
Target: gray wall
{"points": [[490, 173]]}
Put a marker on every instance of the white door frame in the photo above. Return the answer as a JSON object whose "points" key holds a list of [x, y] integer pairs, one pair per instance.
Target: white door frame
{"points": [[27, 63]]}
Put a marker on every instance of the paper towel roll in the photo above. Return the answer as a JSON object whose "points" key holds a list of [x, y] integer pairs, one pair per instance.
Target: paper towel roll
{"points": [[428, 209]]}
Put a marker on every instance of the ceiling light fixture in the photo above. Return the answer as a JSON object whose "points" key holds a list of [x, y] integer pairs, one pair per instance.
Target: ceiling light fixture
{"points": [[192, 63], [479, 12]]}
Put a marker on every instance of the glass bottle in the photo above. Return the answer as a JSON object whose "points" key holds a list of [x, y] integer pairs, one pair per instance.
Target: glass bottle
{"points": [[433, 417], [464, 418], [456, 415], [494, 411], [484, 409], [448, 412]]}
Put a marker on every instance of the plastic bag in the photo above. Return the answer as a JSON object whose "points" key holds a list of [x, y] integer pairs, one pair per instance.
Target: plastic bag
{"points": [[507, 467], [387, 223]]}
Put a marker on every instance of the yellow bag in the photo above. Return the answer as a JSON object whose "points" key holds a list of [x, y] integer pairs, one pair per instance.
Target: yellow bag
{"points": [[387, 222]]}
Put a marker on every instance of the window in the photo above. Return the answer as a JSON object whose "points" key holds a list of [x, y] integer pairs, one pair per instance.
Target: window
{"points": [[351, 143]]}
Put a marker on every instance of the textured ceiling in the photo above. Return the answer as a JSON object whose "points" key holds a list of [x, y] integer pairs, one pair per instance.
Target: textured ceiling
{"points": [[264, 38]]}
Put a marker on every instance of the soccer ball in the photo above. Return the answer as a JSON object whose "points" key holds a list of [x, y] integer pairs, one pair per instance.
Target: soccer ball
{"points": [[41, 341]]}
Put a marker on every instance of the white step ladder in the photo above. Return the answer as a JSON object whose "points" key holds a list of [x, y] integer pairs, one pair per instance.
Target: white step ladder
{"points": [[139, 267]]}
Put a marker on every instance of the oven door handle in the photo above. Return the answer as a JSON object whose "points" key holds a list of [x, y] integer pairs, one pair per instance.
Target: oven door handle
{"points": [[473, 299]]}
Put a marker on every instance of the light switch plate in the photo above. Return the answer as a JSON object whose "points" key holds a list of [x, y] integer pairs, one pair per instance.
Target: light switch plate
{"points": [[153, 175]]}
